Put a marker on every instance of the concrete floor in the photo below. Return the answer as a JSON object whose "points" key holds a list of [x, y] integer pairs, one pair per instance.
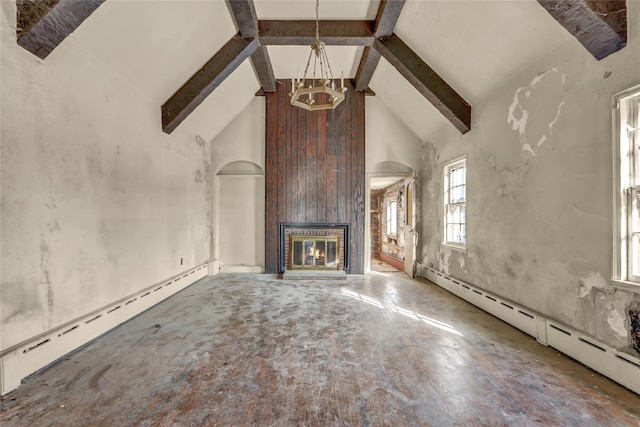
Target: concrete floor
{"points": [[378, 350], [381, 266]]}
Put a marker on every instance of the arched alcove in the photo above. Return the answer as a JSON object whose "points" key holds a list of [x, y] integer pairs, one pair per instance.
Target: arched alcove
{"points": [[241, 167], [240, 207]]}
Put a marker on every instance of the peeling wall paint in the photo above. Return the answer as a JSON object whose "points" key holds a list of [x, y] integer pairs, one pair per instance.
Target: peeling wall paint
{"points": [[593, 280], [539, 214], [548, 85]]}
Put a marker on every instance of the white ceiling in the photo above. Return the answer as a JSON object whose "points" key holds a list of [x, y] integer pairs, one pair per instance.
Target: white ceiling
{"points": [[475, 45]]}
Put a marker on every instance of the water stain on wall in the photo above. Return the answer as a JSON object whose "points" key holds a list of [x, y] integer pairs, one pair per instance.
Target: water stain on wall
{"points": [[593, 280]]}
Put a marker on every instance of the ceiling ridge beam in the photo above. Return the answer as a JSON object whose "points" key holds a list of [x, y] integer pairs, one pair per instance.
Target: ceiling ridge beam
{"points": [[446, 100], [303, 32], [42, 26], [205, 81], [244, 14], [600, 26], [386, 20]]}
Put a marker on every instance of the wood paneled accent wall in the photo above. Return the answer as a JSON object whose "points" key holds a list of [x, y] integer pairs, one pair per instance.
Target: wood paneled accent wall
{"points": [[315, 171]]}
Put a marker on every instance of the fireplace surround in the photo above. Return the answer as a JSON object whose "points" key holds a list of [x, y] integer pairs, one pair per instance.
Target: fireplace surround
{"points": [[306, 231]]}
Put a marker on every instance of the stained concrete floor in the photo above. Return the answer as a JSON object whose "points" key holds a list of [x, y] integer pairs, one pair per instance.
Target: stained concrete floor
{"points": [[379, 350], [381, 266]]}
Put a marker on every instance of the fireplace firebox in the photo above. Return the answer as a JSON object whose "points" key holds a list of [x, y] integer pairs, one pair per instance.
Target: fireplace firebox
{"points": [[318, 246], [316, 252]]}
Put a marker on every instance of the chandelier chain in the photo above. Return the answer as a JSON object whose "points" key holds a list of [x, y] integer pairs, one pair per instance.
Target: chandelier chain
{"points": [[317, 23]]}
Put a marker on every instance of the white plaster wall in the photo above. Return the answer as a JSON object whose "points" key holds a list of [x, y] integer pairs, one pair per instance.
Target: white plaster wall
{"points": [[388, 139], [97, 202], [243, 139], [539, 189]]}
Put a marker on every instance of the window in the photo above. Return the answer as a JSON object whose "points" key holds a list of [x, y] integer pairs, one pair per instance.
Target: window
{"points": [[455, 203], [392, 218], [627, 167]]}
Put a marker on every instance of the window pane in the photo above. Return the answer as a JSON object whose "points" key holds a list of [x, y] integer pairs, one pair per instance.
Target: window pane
{"points": [[456, 233], [635, 255], [463, 234], [456, 214], [463, 217]]}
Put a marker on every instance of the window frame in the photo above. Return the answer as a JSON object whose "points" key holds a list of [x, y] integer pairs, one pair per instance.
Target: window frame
{"points": [[626, 179], [392, 218], [446, 171]]}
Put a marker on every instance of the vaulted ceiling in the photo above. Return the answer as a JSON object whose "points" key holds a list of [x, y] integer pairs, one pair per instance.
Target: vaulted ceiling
{"points": [[473, 46]]}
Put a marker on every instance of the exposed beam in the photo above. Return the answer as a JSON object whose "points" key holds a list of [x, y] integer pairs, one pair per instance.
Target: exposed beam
{"points": [[263, 69], [41, 25], [244, 13], [366, 68], [600, 26], [426, 81], [337, 33], [386, 19], [205, 81]]}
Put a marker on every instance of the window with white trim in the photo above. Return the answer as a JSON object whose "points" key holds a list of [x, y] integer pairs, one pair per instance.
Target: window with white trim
{"points": [[392, 217], [627, 166], [455, 203]]}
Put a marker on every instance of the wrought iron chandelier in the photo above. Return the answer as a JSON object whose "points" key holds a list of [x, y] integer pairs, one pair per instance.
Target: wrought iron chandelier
{"points": [[319, 92]]}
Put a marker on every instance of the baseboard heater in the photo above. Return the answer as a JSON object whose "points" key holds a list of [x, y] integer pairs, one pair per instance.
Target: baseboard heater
{"points": [[31, 355], [620, 367]]}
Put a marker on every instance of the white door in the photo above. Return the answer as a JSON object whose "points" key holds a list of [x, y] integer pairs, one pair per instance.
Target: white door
{"points": [[410, 234]]}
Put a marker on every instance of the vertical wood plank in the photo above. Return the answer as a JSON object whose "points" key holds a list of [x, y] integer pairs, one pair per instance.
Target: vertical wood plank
{"points": [[322, 166], [271, 189], [302, 162], [282, 153], [292, 178], [312, 167], [332, 169]]}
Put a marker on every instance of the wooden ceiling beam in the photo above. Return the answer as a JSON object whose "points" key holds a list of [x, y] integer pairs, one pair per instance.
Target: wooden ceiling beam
{"points": [[262, 66], [426, 81], [205, 81], [386, 19], [244, 13], [336, 33], [43, 24], [599, 25], [366, 67]]}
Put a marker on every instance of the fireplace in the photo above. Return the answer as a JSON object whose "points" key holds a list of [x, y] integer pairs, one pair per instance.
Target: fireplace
{"points": [[315, 252], [313, 246]]}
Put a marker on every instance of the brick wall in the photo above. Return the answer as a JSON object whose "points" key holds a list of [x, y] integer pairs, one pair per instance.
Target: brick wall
{"points": [[376, 227]]}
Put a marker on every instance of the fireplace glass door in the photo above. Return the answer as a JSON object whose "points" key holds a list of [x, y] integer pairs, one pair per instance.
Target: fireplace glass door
{"points": [[318, 252]]}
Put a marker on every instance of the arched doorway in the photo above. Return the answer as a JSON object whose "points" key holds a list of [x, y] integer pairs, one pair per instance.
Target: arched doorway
{"points": [[390, 222]]}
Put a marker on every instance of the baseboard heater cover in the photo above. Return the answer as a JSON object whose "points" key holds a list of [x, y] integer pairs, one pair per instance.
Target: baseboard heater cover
{"points": [[620, 367], [29, 356]]}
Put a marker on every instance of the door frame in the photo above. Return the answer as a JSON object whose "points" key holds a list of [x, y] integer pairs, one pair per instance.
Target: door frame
{"points": [[367, 219]]}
